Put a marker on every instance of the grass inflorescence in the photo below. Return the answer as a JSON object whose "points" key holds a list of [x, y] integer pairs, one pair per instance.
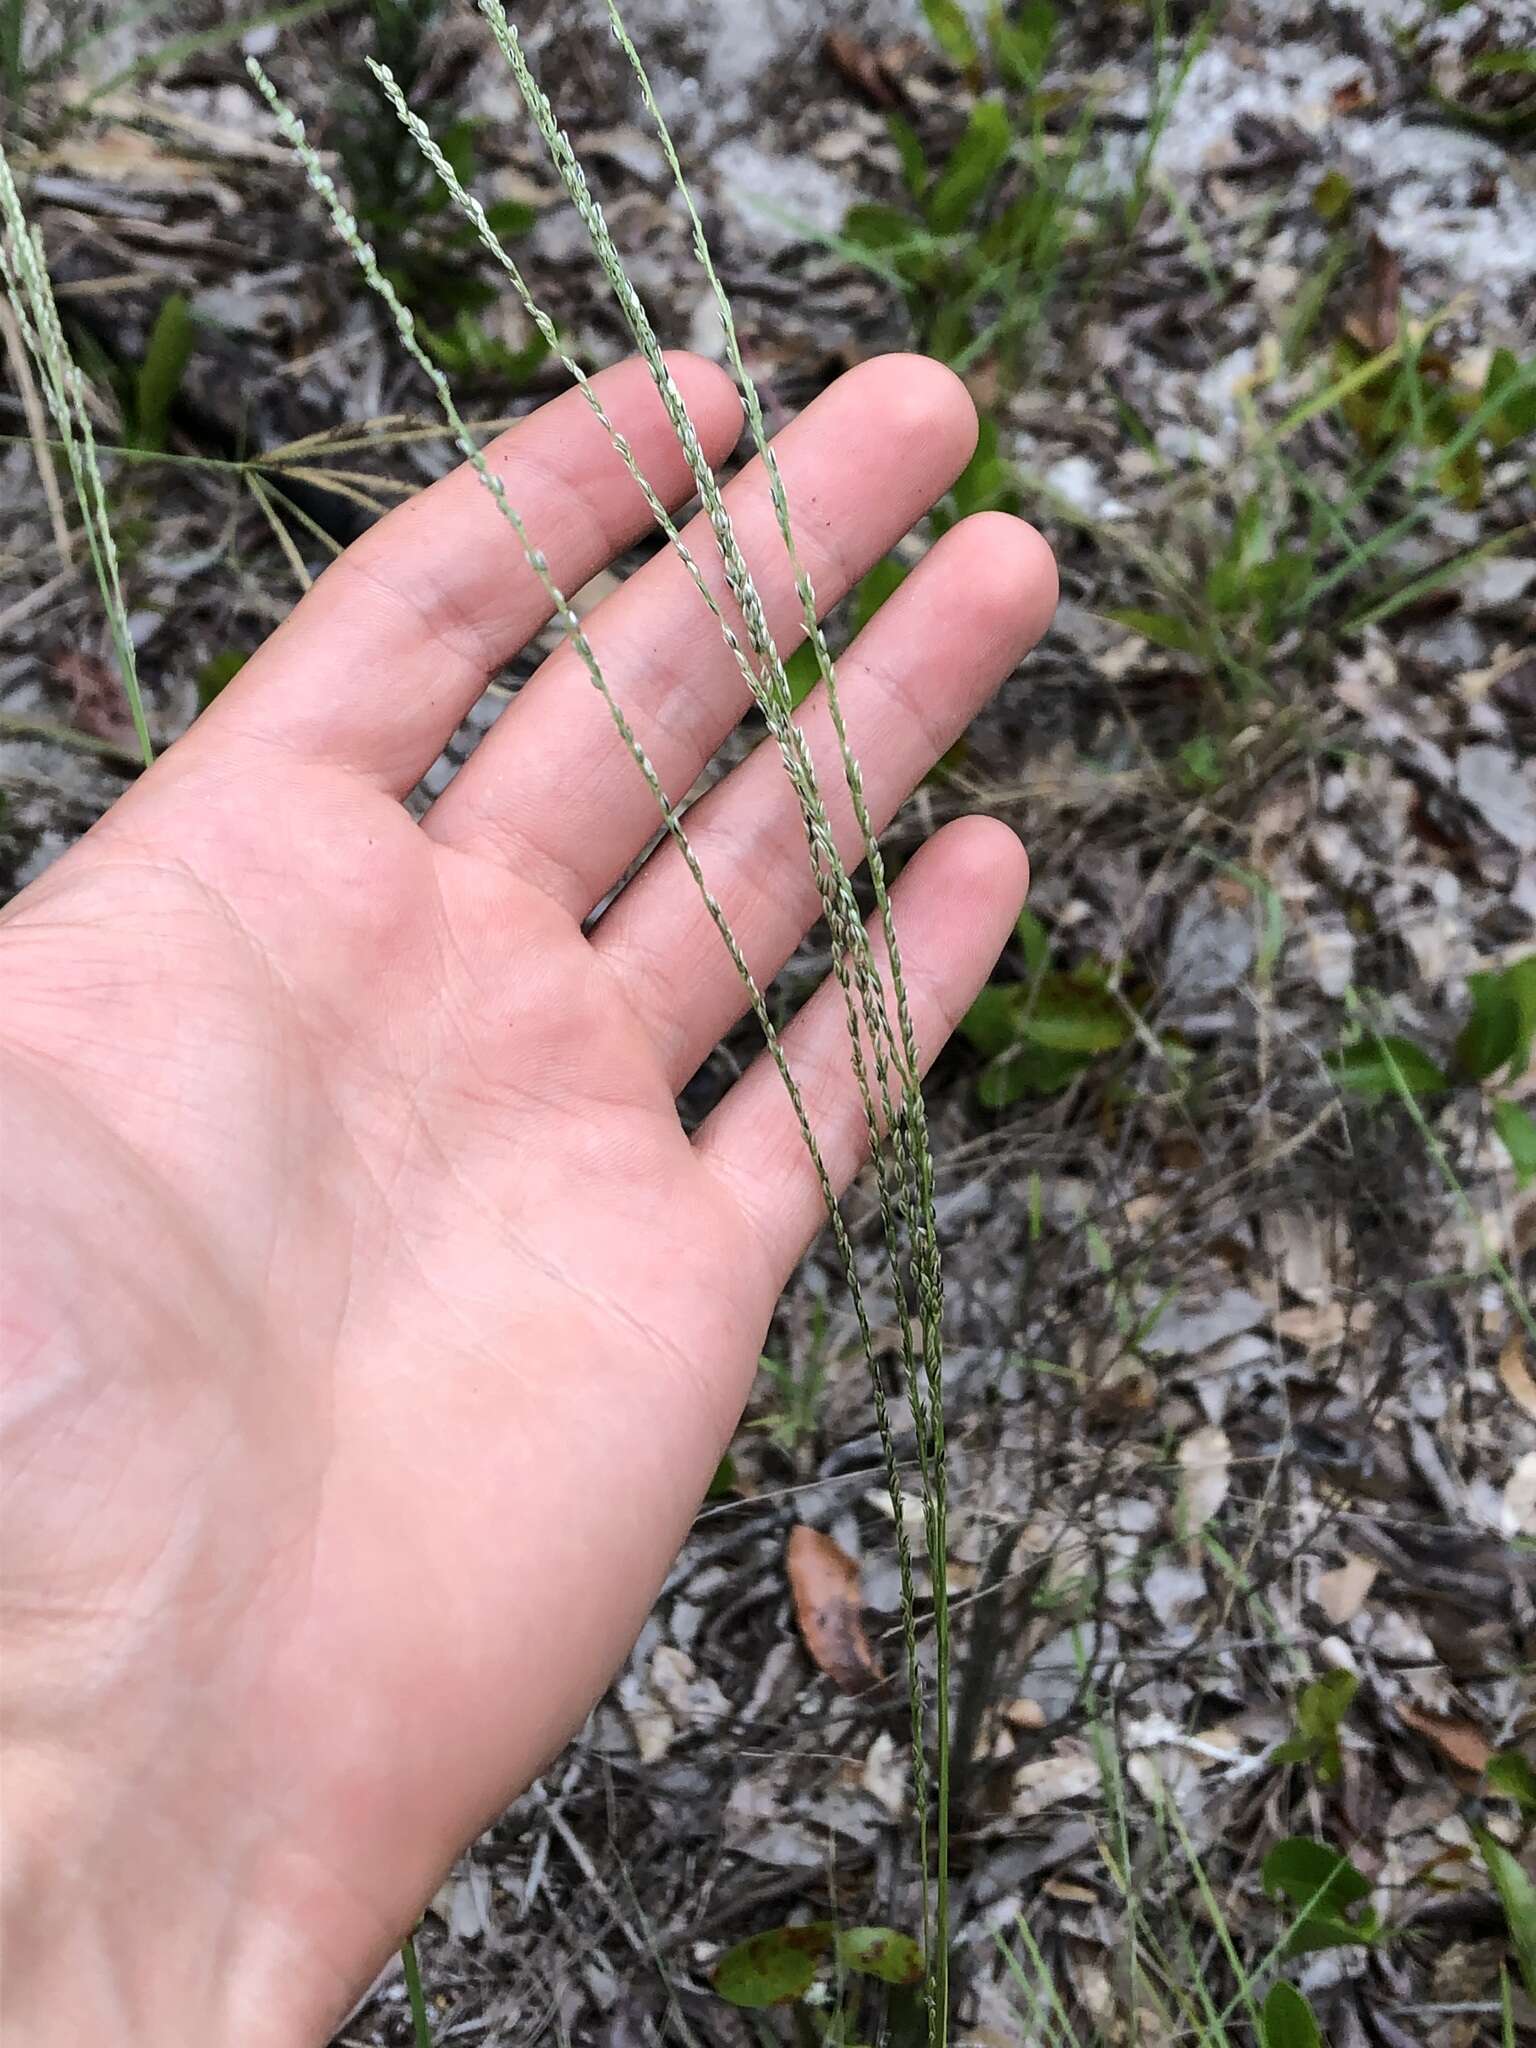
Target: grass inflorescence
{"points": [[882, 1042]]}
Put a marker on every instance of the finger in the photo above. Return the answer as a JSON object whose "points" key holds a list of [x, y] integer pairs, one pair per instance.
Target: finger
{"points": [[554, 791], [378, 664], [953, 906], [909, 686]]}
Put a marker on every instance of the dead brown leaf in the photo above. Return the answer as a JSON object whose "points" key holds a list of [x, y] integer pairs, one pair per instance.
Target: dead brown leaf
{"points": [[1459, 1742], [861, 67], [1515, 1372], [825, 1583], [1372, 324], [96, 701]]}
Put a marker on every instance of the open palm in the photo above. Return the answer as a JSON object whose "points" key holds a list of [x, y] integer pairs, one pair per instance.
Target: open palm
{"points": [[372, 1326]]}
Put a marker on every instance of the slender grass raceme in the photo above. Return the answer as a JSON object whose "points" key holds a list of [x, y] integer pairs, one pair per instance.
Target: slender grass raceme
{"points": [[907, 1192], [24, 268], [912, 1193], [883, 1052]]}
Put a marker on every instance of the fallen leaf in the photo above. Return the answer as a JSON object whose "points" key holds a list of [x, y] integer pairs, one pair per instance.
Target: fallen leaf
{"points": [[1050, 1779], [1342, 1593], [1024, 1713], [1372, 325], [1316, 1327], [861, 67], [1459, 1742], [1515, 1372], [1205, 1458], [1070, 1894], [825, 1583], [96, 701]]}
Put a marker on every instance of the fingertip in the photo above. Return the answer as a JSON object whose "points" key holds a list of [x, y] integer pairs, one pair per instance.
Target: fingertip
{"points": [[923, 401], [1010, 577], [990, 863]]}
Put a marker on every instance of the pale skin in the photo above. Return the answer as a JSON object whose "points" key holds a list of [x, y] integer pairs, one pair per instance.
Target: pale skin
{"points": [[371, 1327]]}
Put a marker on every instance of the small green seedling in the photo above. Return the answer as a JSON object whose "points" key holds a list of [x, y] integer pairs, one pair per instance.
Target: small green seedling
{"points": [[808, 1967], [155, 387], [796, 1415], [1320, 1712], [1497, 1037], [427, 251], [1037, 1036], [976, 250], [1327, 1893]]}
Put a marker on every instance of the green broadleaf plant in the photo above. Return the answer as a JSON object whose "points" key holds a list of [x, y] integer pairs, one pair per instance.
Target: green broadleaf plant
{"points": [[1517, 1895], [1287, 2020], [1327, 1893], [782, 1965], [1497, 1037], [1320, 1712]]}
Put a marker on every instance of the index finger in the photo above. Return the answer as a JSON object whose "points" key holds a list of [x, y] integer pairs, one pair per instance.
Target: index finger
{"points": [[382, 659]]}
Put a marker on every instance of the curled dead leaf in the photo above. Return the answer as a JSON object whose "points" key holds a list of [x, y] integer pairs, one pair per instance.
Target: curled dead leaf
{"points": [[825, 1583], [1459, 1742], [865, 69]]}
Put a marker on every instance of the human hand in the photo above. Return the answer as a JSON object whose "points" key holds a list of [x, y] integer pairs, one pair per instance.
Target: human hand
{"points": [[371, 1326]]}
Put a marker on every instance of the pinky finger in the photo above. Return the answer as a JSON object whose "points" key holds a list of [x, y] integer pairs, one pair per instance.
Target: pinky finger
{"points": [[953, 908]]}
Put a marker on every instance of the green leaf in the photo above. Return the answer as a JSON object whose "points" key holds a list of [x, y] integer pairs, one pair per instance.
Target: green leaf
{"points": [[215, 673], [1322, 1886], [159, 375], [1034, 942], [1509, 1775], [1066, 1014], [1366, 1069], [1514, 387], [802, 672], [1319, 1711], [774, 1968], [977, 158], [1296, 1749], [1025, 1070], [1161, 628], [1520, 980], [952, 32], [987, 483], [1200, 761], [880, 1952], [510, 218], [991, 1023], [883, 581], [1287, 2020], [1023, 46], [1517, 1895], [1332, 196], [724, 1484], [1517, 1131], [914, 158], [1325, 1702], [877, 227], [1491, 1035]]}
